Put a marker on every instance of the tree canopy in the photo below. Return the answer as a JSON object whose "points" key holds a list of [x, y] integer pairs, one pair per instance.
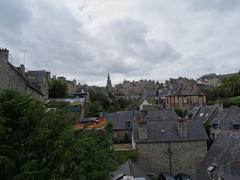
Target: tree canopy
{"points": [[107, 102], [57, 88], [40, 144]]}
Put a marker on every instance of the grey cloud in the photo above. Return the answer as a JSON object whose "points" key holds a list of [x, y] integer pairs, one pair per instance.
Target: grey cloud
{"points": [[137, 40], [13, 15], [218, 5]]}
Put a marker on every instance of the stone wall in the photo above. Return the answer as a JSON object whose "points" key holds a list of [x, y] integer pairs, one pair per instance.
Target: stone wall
{"points": [[10, 77], [174, 157]]}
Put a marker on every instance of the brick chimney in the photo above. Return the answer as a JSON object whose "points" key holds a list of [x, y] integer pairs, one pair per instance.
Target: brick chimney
{"points": [[182, 128], [4, 55]]}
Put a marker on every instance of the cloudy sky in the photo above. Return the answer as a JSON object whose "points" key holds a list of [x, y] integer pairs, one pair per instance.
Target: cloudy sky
{"points": [[131, 39]]}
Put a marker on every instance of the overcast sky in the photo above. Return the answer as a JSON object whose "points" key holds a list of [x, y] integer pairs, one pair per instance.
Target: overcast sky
{"points": [[130, 39]]}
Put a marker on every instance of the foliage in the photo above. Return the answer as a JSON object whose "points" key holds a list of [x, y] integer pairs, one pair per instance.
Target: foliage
{"points": [[207, 127], [57, 89], [126, 138], [181, 112], [36, 144], [94, 108], [229, 88], [107, 102], [123, 156]]}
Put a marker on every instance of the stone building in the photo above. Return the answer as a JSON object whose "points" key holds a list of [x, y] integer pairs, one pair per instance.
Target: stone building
{"points": [[185, 99], [71, 85], [40, 80], [141, 87], [14, 78], [168, 145], [122, 123], [211, 80]]}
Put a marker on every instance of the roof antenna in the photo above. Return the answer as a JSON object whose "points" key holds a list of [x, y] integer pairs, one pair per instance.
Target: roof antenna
{"points": [[24, 56]]}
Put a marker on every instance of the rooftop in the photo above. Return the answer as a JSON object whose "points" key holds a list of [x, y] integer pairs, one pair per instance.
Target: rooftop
{"points": [[222, 158], [127, 169], [228, 118], [167, 131]]}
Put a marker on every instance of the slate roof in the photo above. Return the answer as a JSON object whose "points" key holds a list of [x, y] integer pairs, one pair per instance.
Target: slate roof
{"points": [[150, 93], [128, 169], [228, 118], [225, 153], [119, 119], [39, 75], [159, 115], [203, 114], [167, 131]]}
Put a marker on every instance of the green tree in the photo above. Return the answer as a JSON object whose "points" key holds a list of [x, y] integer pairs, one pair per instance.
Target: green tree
{"points": [[37, 144], [94, 108], [181, 112], [57, 89]]}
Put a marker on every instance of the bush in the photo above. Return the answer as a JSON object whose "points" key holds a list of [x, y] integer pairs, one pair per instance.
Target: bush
{"points": [[36, 144]]}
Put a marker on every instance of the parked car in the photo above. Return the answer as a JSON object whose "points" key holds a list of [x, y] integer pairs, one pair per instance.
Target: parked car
{"points": [[182, 176], [165, 176]]}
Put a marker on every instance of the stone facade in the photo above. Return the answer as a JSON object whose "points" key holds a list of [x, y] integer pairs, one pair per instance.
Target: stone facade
{"points": [[71, 85], [11, 78], [135, 87], [40, 79], [173, 157]]}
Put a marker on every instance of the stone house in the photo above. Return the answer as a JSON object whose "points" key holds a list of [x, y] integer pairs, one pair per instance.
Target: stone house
{"points": [[12, 78], [211, 80], [185, 99], [71, 85], [169, 146], [39, 79], [222, 160], [122, 123]]}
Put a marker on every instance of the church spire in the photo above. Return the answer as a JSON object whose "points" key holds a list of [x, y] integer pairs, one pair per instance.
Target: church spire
{"points": [[109, 83]]}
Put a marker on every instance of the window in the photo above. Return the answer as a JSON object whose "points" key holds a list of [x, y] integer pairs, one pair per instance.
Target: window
{"points": [[128, 124]]}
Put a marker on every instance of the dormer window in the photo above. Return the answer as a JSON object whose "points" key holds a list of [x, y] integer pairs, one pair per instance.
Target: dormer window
{"points": [[128, 124], [236, 125], [215, 125]]}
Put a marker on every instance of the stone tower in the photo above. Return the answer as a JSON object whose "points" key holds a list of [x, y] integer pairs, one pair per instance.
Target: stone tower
{"points": [[109, 84]]}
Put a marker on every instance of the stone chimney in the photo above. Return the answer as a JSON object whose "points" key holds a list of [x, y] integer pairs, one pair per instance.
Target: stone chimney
{"points": [[4, 55], [219, 107], [142, 126], [22, 69], [182, 128], [48, 74]]}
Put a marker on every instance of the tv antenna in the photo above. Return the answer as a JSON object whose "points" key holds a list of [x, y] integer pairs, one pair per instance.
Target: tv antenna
{"points": [[24, 56]]}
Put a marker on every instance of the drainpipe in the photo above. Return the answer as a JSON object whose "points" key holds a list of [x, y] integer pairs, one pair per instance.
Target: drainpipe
{"points": [[170, 157]]}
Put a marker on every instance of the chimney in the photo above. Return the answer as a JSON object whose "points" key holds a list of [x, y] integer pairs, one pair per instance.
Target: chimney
{"points": [[182, 128], [219, 107], [22, 69], [4, 55], [48, 75], [142, 126]]}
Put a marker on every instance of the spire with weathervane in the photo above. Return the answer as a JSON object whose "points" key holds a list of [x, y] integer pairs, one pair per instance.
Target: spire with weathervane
{"points": [[109, 84]]}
